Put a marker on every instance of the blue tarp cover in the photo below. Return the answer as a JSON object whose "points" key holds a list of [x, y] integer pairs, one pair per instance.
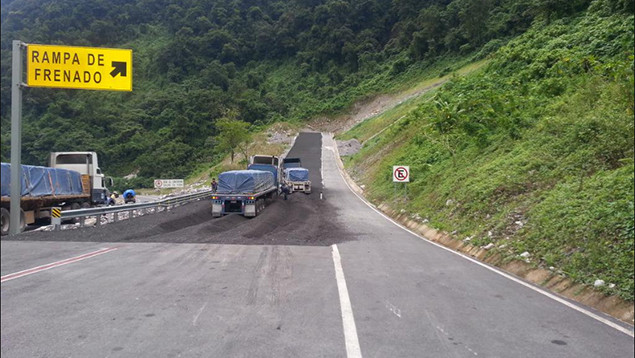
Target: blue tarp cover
{"points": [[245, 182], [296, 174], [266, 167], [42, 181]]}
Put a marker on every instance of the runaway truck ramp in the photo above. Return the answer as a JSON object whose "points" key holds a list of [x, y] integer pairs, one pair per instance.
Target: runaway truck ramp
{"points": [[303, 220]]}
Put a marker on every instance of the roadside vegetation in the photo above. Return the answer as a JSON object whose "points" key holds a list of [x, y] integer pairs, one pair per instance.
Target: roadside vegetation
{"points": [[267, 61], [534, 154]]}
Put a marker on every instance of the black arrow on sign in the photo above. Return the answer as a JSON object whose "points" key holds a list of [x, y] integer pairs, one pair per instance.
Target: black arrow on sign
{"points": [[119, 68]]}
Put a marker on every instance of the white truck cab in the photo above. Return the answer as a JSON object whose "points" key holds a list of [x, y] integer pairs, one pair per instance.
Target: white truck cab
{"points": [[85, 163]]}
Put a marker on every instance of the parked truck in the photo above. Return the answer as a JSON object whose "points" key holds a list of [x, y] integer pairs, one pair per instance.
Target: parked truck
{"points": [[243, 192], [72, 180], [295, 176], [247, 192]]}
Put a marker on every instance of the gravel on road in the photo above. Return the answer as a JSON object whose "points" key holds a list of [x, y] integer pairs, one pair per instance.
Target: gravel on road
{"points": [[301, 220]]}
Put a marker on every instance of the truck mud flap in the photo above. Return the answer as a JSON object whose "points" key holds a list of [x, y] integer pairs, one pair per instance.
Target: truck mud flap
{"points": [[217, 210], [250, 210]]}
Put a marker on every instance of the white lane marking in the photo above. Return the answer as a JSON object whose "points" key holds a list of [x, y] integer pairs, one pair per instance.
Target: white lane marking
{"points": [[348, 321], [536, 289], [40, 268], [198, 314]]}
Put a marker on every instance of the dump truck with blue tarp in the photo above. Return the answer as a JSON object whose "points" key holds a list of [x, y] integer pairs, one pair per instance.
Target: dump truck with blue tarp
{"points": [[295, 176], [297, 179], [243, 192], [72, 181]]}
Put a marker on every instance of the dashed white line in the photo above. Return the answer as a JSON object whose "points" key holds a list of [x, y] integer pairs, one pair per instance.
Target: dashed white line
{"points": [[348, 321]]}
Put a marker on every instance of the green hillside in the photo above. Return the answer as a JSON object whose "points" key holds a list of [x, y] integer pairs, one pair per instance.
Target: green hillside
{"points": [[262, 61], [533, 154]]}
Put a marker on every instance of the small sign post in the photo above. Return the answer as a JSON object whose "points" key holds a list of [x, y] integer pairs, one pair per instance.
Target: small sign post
{"points": [[401, 174], [56, 217]]}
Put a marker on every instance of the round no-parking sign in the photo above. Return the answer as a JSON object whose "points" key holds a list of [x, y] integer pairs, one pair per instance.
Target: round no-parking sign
{"points": [[158, 183], [401, 174]]}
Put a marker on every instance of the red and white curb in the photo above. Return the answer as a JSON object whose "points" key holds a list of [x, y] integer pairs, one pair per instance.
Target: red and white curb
{"points": [[41, 268]]}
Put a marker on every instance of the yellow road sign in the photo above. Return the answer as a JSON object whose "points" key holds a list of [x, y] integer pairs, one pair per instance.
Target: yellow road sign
{"points": [[79, 67]]}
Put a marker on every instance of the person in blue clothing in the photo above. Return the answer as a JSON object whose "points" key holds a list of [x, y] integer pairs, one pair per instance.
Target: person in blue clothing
{"points": [[284, 189], [129, 196]]}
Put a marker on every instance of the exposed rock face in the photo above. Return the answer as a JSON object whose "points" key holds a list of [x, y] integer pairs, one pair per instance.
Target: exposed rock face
{"points": [[348, 147]]}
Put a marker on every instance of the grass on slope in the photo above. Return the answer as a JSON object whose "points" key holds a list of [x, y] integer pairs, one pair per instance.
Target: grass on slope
{"points": [[533, 154], [414, 96]]}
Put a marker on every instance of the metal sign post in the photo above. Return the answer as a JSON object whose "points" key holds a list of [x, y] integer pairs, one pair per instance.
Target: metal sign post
{"points": [[16, 137], [58, 67], [401, 174], [56, 215]]}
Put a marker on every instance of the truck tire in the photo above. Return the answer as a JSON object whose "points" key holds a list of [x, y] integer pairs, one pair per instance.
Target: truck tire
{"points": [[5, 220], [85, 205], [22, 220]]}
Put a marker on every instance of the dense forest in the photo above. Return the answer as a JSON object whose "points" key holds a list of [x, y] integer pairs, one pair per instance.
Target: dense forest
{"points": [[196, 62]]}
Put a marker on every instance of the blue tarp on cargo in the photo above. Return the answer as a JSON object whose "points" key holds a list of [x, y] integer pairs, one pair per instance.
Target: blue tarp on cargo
{"points": [[266, 167], [296, 174], [43, 181], [245, 182]]}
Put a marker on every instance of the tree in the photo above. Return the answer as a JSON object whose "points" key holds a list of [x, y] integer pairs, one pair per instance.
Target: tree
{"points": [[233, 135]]}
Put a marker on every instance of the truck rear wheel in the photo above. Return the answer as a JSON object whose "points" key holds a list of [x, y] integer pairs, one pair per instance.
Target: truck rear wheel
{"points": [[5, 221], [22, 220]]}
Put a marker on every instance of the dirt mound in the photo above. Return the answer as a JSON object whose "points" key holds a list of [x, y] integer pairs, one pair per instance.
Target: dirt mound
{"points": [[348, 147]]}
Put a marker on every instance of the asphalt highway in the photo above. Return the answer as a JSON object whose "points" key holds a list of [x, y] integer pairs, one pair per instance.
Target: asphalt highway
{"points": [[306, 278]]}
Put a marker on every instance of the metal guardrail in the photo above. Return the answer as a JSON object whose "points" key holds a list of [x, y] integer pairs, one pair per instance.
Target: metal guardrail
{"points": [[155, 206]]}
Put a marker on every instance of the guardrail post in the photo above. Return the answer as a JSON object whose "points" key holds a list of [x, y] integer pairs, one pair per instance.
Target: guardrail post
{"points": [[98, 220], [82, 221], [56, 218]]}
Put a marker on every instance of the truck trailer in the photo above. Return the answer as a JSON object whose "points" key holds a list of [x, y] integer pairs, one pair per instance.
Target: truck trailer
{"points": [[243, 192], [73, 180]]}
